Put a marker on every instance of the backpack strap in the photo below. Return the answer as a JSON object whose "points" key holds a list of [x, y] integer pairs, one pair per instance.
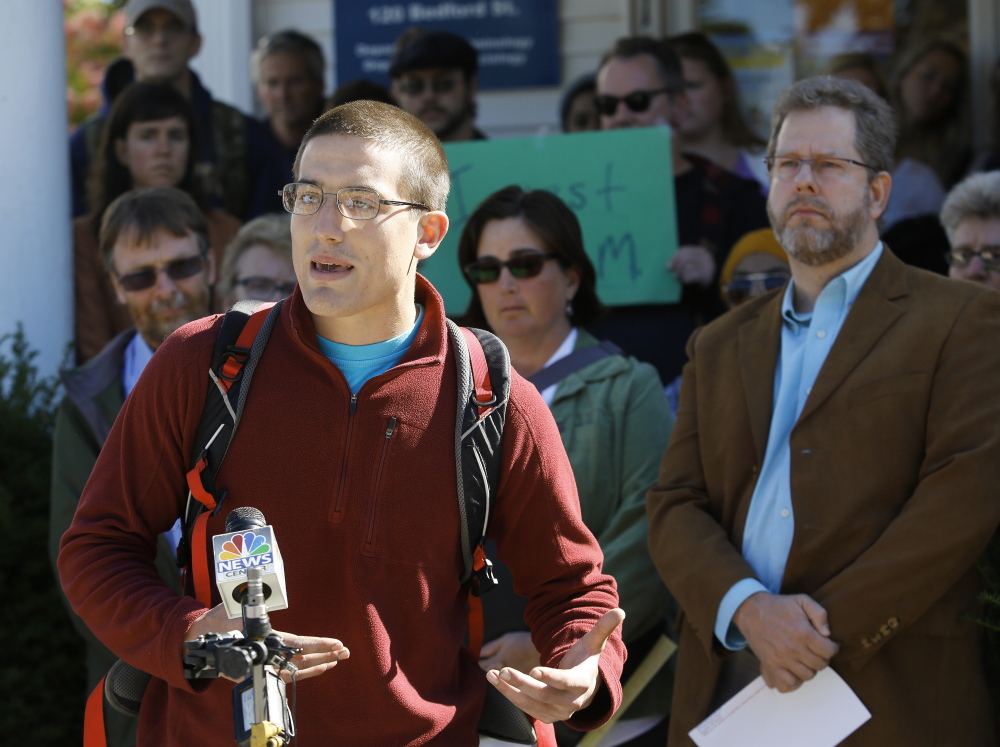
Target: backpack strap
{"points": [[483, 370], [242, 337], [572, 363], [244, 333], [94, 734], [483, 367]]}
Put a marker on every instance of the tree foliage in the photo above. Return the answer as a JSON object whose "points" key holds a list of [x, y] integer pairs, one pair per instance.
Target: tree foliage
{"points": [[43, 688], [93, 39]]}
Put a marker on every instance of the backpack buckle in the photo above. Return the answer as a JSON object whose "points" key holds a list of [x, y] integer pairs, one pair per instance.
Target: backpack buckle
{"points": [[483, 578], [232, 362]]}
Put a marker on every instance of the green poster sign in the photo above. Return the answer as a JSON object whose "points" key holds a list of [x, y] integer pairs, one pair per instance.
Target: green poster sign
{"points": [[619, 183]]}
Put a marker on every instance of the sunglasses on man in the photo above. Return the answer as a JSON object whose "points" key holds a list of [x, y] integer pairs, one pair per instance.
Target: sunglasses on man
{"points": [[179, 269], [637, 101], [523, 266], [415, 86]]}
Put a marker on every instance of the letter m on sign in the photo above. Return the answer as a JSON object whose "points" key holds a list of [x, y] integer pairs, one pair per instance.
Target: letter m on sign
{"points": [[625, 245]]}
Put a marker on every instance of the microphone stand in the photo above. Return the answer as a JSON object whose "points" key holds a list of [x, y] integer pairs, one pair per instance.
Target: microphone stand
{"points": [[255, 657]]}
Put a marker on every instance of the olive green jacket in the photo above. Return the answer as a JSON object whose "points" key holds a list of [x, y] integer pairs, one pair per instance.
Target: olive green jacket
{"points": [[94, 395], [615, 423]]}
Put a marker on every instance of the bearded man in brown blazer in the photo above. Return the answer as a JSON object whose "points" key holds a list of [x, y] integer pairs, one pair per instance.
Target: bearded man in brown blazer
{"points": [[833, 471]]}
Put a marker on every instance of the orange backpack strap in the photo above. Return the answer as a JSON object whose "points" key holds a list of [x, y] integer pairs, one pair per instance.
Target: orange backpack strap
{"points": [[544, 733], [200, 567], [480, 373], [93, 718], [244, 331], [236, 355], [476, 621]]}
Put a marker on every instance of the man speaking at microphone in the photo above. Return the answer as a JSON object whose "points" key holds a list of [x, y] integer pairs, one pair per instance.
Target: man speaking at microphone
{"points": [[347, 445]]}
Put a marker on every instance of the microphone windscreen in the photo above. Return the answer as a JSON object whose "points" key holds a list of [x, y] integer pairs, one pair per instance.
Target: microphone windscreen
{"points": [[245, 517]]}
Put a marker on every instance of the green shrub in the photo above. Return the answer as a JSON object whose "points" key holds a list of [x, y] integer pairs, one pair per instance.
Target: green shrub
{"points": [[989, 566], [43, 676]]}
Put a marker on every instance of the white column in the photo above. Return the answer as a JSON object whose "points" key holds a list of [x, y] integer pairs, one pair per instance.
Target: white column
{"points": [[223, 64], [984, 49], [35, 247]]}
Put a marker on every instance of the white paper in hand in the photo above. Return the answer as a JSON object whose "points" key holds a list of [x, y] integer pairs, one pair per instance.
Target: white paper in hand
{"points": [[823, 712]]}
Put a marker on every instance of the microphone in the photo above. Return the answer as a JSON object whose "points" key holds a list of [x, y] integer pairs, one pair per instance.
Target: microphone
{"points": [[248, 543]]}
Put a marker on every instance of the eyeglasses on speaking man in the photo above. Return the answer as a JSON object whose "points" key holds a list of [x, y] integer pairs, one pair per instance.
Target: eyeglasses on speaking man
{"points": [[356, 203]]}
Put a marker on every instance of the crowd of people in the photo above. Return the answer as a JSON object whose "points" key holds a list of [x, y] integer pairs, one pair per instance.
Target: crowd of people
{"points": [[791, 468]]}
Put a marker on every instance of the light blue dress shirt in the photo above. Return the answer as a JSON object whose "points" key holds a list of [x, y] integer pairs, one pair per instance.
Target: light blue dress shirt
{"points": [[137, 355], [359, 363], [806, 340]]}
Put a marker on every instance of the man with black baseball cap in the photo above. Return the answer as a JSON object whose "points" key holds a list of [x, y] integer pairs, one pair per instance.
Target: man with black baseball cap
{"points": [[434, 77]]}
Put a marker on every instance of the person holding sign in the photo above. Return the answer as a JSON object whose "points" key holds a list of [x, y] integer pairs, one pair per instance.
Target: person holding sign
{"points": [[831, 479], [640, 84], [533, 285]]}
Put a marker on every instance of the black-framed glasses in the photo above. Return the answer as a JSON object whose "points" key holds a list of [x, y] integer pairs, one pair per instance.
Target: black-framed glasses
{"points": [[356, 203], [961, 256], [179, 269], [637, 101], [752, 285], [787, 168], [263, 288], [487, 269], [416, 86]]}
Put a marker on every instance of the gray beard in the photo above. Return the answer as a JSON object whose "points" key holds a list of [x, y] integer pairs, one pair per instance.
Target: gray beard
{"points": [[820, 246]]}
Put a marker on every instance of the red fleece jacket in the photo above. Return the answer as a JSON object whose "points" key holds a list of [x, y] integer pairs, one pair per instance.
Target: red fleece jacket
{"points": [[368, 528]]}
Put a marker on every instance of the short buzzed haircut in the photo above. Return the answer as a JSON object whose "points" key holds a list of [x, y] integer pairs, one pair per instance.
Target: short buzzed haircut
{"points": [[142, 213], [977, 196], [666, 59], [875, 130], [423, 164], [290, 42]]}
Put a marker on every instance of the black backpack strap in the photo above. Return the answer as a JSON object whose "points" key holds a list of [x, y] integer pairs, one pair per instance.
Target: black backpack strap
{"points": [[242, 338], [572, 363], [482, 364]]}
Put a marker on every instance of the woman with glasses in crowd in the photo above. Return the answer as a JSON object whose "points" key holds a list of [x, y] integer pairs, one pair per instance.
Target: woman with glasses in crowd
{"points": [[257, 264], [533, 285], [711, 125], [147, 141]]}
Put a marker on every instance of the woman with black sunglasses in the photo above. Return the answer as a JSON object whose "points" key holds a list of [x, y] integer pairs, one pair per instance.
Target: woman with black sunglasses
{"points": [[148, 140], [533, 285]]}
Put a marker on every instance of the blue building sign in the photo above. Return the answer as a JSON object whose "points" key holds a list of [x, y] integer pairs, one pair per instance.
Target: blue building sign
{"points": [[517, 40]]}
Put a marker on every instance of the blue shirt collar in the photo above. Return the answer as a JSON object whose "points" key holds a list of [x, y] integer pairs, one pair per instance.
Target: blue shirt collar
{"points": [[137, 355], [847, 285]]}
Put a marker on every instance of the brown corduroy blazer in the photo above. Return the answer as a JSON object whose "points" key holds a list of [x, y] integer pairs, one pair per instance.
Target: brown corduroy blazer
{"points": [[895, 473]]}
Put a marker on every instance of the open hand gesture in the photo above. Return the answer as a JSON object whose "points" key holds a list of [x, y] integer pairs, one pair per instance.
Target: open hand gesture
{"points": [[551, 695]]}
